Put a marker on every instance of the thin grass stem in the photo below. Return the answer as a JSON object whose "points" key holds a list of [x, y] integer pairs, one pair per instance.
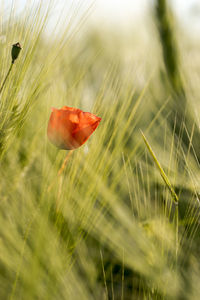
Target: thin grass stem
{"points": [[2, 86]]}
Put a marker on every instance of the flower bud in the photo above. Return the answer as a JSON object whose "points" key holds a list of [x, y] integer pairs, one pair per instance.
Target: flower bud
{"points": [[16, 48]]}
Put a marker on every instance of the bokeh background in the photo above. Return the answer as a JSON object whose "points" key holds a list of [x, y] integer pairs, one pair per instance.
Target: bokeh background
{"points": [[121, 221], [124, 14]]}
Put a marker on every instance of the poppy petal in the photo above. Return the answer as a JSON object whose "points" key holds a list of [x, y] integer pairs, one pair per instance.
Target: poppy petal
{"points": [[69, 127]]}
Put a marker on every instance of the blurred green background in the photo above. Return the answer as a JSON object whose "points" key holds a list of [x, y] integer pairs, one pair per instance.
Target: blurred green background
{"points": [[122, 220]]}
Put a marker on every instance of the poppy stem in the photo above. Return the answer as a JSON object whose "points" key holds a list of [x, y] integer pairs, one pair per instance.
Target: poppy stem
{"points": [[64, 162], [61, 179], [6, 77], [59, 193], [61, 169]]}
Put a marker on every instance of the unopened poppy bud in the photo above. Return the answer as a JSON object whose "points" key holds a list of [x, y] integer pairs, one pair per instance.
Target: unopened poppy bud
{"points": [[16, 48]]}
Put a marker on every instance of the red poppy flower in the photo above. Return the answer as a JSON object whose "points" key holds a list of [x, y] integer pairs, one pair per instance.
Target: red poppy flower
{"points": [[69, 127]]}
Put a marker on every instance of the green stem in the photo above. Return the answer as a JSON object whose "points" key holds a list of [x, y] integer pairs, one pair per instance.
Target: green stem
{"points": [[176, 228], [162, 173], [6, 77], [171, 189]]}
